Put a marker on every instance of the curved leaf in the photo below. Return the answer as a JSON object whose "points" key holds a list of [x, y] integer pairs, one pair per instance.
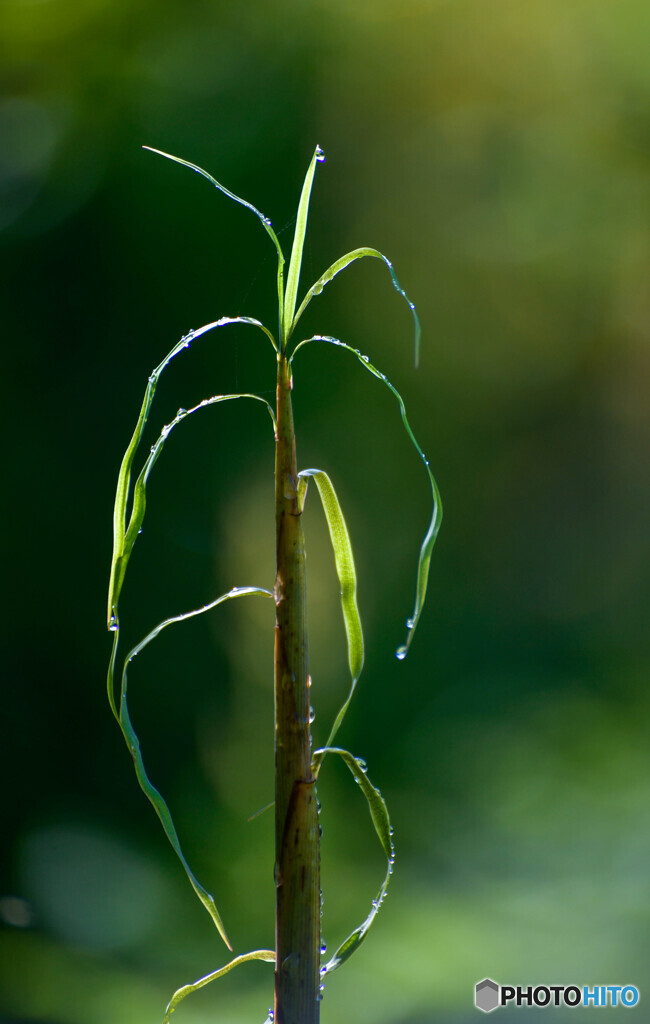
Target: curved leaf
{"points": [[121, 557], [341, 264], [140, 489], [346, 572], [268, 955], [426, 548], [133, 743], [381, 821], [266, 223], [297, 247], [118, 565]]}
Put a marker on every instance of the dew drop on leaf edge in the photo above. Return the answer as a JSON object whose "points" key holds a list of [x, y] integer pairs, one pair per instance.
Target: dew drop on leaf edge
{"points": [[401, 652]]}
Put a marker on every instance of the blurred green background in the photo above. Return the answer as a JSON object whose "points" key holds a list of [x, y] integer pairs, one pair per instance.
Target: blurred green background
{"points": [[498, 152]]}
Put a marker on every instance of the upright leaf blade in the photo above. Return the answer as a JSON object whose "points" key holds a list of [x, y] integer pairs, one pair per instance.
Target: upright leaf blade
{"points": [[298, 244]]}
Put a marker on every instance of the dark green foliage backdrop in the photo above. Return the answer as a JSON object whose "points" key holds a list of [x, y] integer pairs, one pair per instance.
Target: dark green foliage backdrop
{"points": [[499, 154]]}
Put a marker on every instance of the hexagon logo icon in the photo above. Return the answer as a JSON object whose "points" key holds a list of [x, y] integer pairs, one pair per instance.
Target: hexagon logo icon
{"points": [[486, 995]]}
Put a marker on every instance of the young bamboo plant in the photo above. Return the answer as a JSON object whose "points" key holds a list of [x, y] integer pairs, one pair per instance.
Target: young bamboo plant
{"points": [[299, 971]]}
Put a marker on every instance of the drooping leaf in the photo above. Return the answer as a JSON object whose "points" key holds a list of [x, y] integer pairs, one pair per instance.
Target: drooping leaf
{"points": [[140, 488], [296, 251], [381, 822], [120, 558], [266, 223], [133, 743], [267, 955], [340, 265], [120, 563], [347, 575], [429, 540]]}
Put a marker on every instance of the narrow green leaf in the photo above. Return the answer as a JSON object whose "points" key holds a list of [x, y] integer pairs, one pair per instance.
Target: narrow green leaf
{"points": [[133, 743], [121, 560], [344, 262], [266, 223], [119, 511], [140, 488], [426, 548], [118, 562], [296, 250], [267, 955], [381, 822], [346, 572]]}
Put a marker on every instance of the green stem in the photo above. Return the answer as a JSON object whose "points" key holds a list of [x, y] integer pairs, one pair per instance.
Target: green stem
{"points": [[297, 843]]}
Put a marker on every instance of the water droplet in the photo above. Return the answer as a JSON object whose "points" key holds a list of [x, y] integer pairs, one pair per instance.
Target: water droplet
{"points": [[323, 970], [152, 379], [401, 652], [365, 358], [271, 1014], [267, 221], [291, 962], [323, 949], [140, 531], [181, 412], [312, 715], [410, 623], [362, 765], [320, 156]]}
